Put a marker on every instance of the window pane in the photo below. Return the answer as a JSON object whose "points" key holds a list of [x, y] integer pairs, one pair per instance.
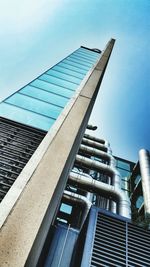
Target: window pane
{"points": [[52, 88], [69, 72], [82, 68], [123, 165], [89, 52], [71, 67], [63, 76], [80, 61], [34, 105], [124, 173], [84, 58], [76, 63], [43, 95], [88, 56], [25, 116], [58, 81], [139, 202]]}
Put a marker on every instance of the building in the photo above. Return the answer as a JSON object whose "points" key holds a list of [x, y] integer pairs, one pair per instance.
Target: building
{"points": [[60, 189], [140, 189]]}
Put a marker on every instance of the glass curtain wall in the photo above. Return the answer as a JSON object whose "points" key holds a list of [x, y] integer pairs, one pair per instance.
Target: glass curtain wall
{"points": [[39, 103]]}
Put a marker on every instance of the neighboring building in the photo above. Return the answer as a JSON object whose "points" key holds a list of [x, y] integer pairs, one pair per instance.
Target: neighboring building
{"points": [[63, 201], [140, 189]]}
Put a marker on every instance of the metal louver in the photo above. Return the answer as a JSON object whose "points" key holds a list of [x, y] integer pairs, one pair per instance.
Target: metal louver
{"points": [[17, 144], [115, 242]]}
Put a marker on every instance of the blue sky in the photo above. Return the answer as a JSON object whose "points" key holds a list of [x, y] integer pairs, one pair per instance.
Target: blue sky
{"points": [[37, 34]]}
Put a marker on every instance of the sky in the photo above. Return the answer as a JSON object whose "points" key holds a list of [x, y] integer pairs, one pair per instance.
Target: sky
{"points": [[37, 34]]}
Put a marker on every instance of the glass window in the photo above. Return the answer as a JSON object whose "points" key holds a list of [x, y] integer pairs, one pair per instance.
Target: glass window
{"points": [[45, 96], [25, 116], [66, 208], [123, 165], [80, 61], [71, 67], [88, 56], [57, 81], [69, 72], [78, 65], [89, 52], [139, 202], [137, 179], [59, 74], [34, 105], [52, 88], [85, 58], [124, 173]]}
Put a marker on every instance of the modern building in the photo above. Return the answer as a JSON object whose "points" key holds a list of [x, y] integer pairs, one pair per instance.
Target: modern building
{"points": [[140, 189], [64, 196]]}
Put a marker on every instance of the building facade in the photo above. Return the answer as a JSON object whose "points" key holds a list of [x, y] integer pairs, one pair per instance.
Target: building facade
{"points": [[61, 189]]}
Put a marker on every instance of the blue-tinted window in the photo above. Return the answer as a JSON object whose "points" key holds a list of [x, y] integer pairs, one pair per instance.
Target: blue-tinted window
{"points": [[44, 96], [25, 116], [59, 74], [52, 88], [69, 72], [123, 165], [75, 64], [139, 202], [34, 105], [66, 208], [80, 61], [83, 56], [58, 81], [69, 66]]}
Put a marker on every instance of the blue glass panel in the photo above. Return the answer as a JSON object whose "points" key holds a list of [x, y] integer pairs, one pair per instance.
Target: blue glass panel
{"points": [[25, 116], [89, 52], [60, 75], [80, 61], [84, 58], [66, 70], [52, 88], [34, 105], [58, 81], [78, 65], [43, 95], [88, 56], [69, 66]]}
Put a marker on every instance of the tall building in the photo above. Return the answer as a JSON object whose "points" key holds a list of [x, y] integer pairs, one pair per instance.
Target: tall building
{"points": [[64, 196]]}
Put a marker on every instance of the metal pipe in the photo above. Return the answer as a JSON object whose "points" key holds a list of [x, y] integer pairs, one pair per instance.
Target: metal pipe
{"points": [[91, 127], [102, 141], [109, 191], [98, 153], [105, 169], [104, 147], [144, 161], [79, 199]]}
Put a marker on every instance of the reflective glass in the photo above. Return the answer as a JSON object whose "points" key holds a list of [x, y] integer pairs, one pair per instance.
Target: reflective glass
{"points": [[45, 96], [123, 165], [69, 72], [58, 81], [52, 88], [25, 116], [71, 67], [84, 66], [34, 105], [87, 55], [64, 76], [89, 52], [139, 202], [86, 59], [80, 67], [80, 61], [124, 173]]}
